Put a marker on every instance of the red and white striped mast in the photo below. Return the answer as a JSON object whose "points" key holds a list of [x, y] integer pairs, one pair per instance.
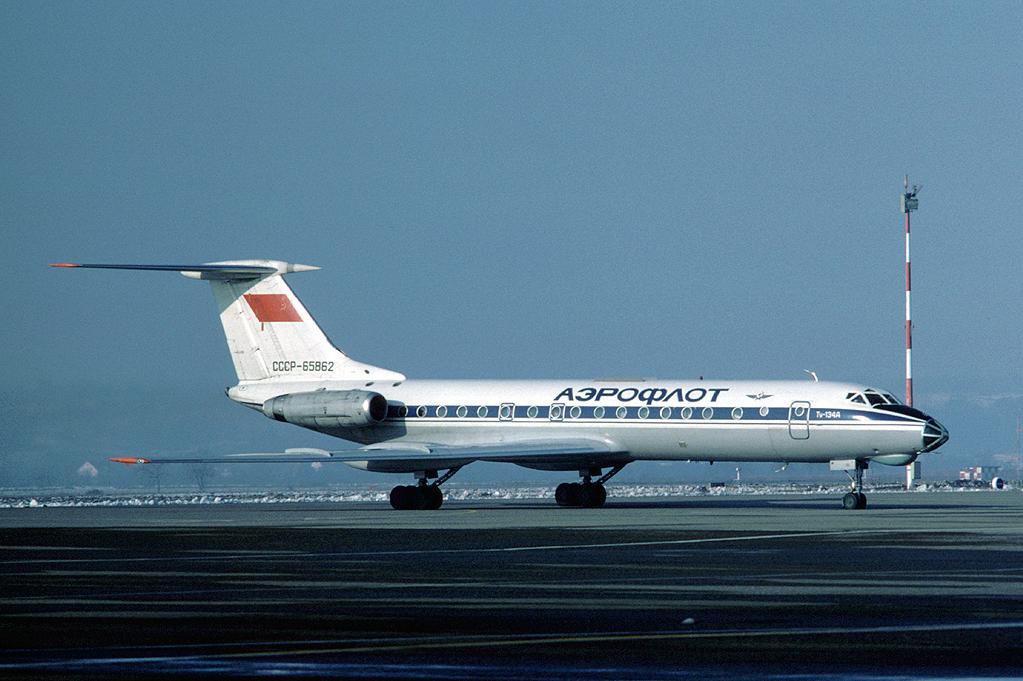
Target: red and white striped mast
{"points": [[909, 203]]}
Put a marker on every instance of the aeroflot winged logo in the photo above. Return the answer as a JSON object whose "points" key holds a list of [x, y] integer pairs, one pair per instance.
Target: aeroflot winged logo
{"points": [[272, 307]]}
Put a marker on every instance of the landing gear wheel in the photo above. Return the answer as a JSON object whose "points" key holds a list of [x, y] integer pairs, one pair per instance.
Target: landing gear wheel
{"points": [[854, 501], [404, 498], [592, 495], [434, 498], [568, 494], [422, 496], [419, 498]]}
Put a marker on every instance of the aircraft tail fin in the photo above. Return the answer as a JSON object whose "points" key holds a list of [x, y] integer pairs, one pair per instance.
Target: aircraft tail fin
{"points": [[270, 334]]}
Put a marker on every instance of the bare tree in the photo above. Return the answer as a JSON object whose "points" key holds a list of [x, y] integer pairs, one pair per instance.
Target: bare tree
{"points": [[155, 476], [201, 474]]}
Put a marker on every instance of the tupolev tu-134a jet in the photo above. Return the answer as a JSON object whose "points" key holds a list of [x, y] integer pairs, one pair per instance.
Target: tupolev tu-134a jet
{"points": [[289, 370]]}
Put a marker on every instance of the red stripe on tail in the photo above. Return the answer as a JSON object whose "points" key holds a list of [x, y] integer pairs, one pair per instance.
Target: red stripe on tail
{"points": [[272, 307]]}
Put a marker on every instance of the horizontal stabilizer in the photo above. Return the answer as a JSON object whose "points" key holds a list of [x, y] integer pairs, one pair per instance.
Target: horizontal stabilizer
{"points": [[269, 333], [227, 271]]}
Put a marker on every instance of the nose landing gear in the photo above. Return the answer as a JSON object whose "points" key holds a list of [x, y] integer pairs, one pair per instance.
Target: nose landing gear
{"points": [[855, 499]]}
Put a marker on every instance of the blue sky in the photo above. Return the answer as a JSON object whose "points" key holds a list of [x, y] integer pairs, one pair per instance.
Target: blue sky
{"points": [[505, 190]]}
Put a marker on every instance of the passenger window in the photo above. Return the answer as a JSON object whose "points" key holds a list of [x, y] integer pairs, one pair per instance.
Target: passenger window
{"points": [[482, 412], [532, 412], [575, 412], [621, 412], [462, 412], [421, 411], [442, 411], [598, 412]]}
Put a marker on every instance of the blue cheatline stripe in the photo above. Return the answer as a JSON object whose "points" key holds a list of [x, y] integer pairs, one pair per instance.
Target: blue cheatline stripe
{"points": [[652, 414]]}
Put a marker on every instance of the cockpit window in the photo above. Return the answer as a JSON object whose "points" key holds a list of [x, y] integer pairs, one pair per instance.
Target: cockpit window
{"points": [[874, 398], [892, 399], [855, 397]]}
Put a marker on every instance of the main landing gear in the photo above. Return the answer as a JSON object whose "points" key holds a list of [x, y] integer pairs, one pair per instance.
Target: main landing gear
{"points": [[856, 500], [585, 494], [423, 496]]}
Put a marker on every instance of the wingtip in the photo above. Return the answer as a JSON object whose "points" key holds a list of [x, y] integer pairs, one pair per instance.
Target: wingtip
{"points": [[128, 460], [64, 264]]}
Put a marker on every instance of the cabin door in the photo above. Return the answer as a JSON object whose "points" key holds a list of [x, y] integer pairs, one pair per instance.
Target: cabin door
{"points": [[799, 420]]}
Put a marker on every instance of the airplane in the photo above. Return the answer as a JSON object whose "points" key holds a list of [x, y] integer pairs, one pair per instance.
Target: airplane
{"points": [[289, 370]]}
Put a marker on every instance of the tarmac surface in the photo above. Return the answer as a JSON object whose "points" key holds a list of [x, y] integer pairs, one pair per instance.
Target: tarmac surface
{"points": [[924, 585]]}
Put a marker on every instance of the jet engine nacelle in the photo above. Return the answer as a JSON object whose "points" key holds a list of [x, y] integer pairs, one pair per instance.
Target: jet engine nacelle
{"points": [[328, 408]]}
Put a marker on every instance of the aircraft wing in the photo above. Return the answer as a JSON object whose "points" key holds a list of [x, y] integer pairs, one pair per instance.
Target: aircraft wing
{"points": [[421, 455]]}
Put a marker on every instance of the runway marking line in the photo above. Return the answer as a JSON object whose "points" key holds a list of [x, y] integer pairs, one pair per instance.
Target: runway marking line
{"points": [[632, 544]]}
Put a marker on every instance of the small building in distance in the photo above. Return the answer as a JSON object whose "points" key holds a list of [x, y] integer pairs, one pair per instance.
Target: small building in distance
{"points": [[979, 473]]}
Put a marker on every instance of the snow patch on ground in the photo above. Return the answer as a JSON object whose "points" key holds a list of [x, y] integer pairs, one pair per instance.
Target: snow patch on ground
{"points": [[100, 498]]}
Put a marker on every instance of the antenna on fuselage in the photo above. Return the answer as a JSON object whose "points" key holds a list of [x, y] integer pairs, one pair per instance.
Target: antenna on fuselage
{"points": [[812, 375]]}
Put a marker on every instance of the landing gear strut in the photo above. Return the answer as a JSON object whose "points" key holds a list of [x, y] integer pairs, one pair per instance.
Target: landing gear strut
{"points": [[587, 494], [856, 500], [423, 496]]}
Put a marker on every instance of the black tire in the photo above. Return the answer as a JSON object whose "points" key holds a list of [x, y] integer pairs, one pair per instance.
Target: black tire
{"points": [[402, 497], [592, 496], [561, 494], [573, 495], [861, 501], [435, 498], [422, 497], [851, 501]]}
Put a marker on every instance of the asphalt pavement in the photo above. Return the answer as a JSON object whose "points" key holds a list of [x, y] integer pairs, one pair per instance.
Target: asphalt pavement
{"points": [[916, 586]]}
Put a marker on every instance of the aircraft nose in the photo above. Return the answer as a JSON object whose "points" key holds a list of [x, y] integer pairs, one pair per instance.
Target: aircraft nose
{"points": [[935, 435]]}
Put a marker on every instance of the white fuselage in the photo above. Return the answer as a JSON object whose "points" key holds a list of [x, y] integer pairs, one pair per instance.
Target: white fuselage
{"points": [[698, 420]]}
